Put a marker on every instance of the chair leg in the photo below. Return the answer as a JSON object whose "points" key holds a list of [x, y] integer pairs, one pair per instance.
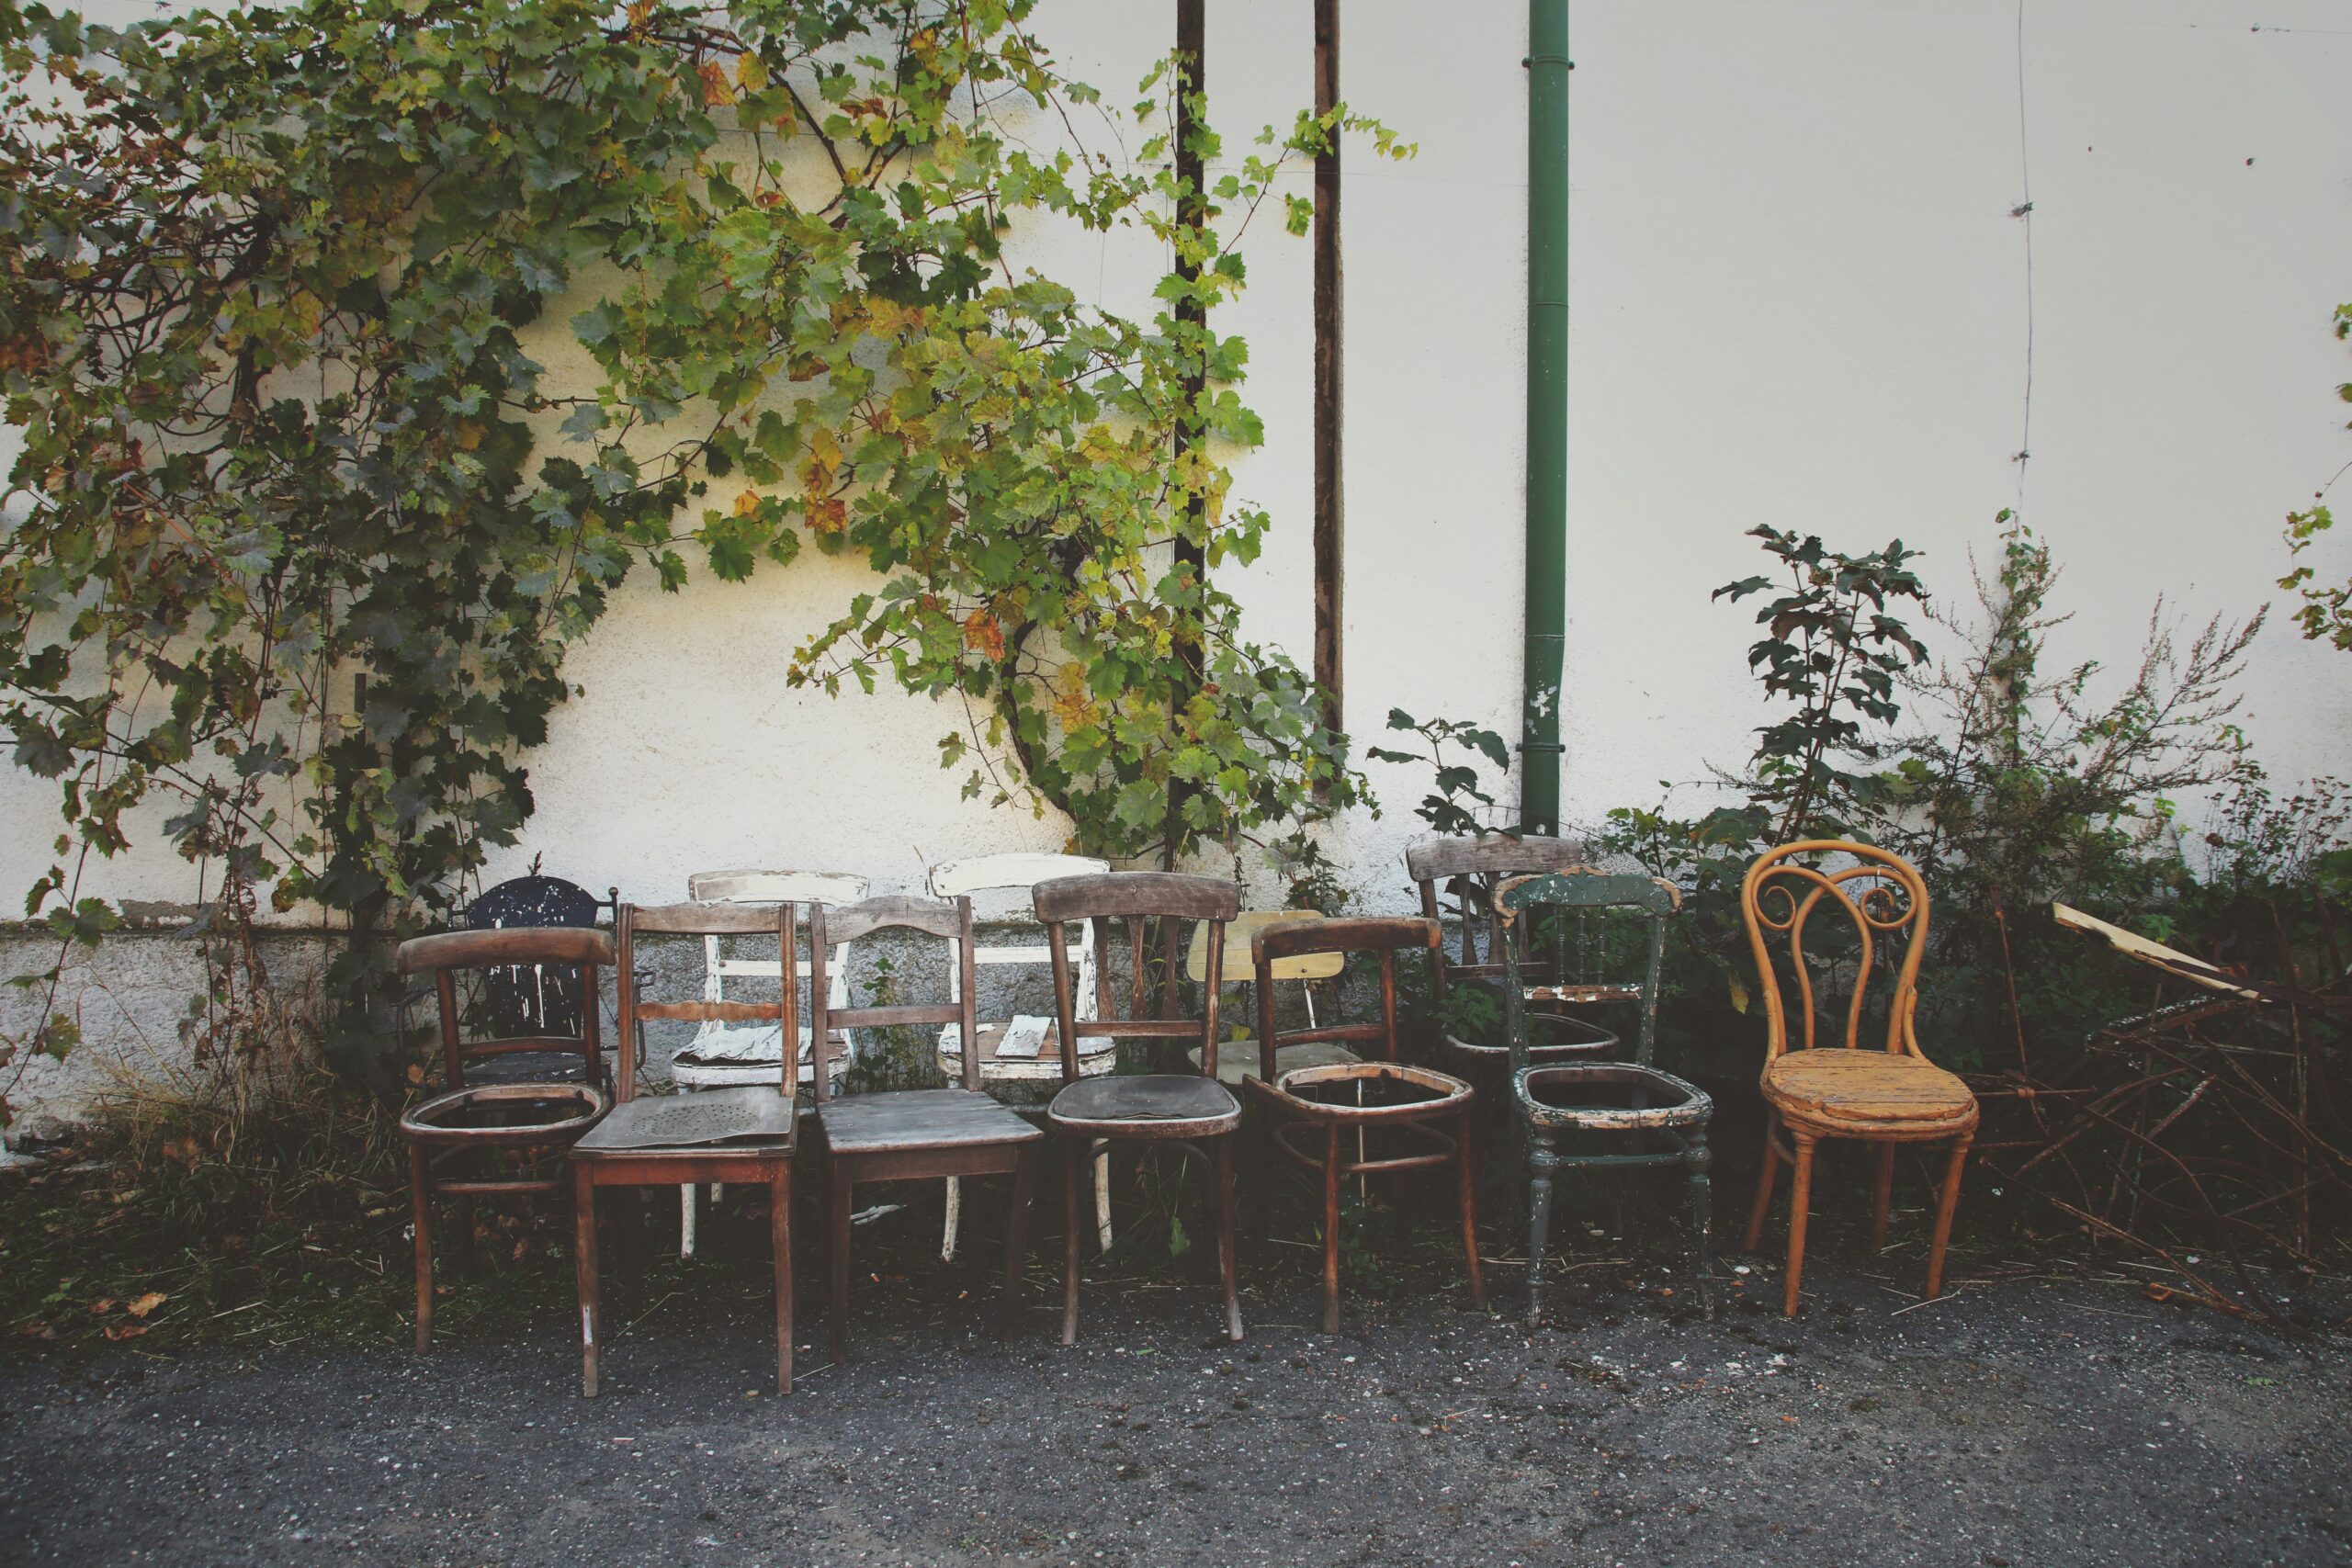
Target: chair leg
{"points": [[1541, 1159], [837, 1194], [1331, 1228], [1885, 1197], [465, 1254], [954, 1219], [687, 1193], [1225, 1264], [1763, 1189], [780, 1243], [584, 1247], [1074, 1153], [1465, 1161], [1800, 1198], [1945, 1208], [1103, 1196], [1016, 1238], [420, 1202], [1697, 1159]]}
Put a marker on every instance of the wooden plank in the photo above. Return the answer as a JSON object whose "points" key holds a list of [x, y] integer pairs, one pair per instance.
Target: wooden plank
{"points": [[1120, 894], [1330, 321], [775, 887], [836, 928], [508, 944], [1368, 932], [2155, 954], [985, 873], [710, 918], [706, 1012], [1492, 854]]}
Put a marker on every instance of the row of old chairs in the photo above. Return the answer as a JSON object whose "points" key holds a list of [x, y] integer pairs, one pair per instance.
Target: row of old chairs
{"points": [[1324, 1101]]}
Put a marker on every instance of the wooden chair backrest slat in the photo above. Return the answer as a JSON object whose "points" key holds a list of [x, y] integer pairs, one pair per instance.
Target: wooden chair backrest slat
{"points": [[1582, 888]]}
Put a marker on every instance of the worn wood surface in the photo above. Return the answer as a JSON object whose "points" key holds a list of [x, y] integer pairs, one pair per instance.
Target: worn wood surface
{"points": [[774, 887], [507, 944], [949, 917], [919, 1119], [1240, 967], [1365, 933], [1866, 1087], [1152, 1105], [1492, 854], [1120, 894]]}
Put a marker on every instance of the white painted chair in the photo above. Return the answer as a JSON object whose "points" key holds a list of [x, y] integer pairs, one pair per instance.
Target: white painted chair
{"points": [[723, 1055], [1023, 1050]]}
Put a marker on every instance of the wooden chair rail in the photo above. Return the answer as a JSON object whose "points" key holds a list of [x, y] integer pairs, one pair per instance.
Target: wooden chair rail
{"points": [[1366, 933], [507, 944], [1490, 854], [1121, 895], [711, 916]]}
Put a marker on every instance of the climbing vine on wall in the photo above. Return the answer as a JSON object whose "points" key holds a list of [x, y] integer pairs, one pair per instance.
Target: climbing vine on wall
{"points": [[302, 526]]}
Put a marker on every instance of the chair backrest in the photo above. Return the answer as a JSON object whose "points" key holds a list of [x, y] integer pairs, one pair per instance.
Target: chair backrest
{"points": [[1015, 873], [1468, 870], [580, 950], [1385, 935], [707, 918], [1881, 898], [1134, 897], [950, 918], [808, 887], [1582, 888], [530, 999]]}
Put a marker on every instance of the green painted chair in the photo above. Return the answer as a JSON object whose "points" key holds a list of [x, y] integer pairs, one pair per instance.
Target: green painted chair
{"points": [[1582, 1102]]}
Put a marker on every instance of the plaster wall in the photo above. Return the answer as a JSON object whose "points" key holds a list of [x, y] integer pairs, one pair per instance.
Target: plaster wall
{"points": [[1799, 297]]}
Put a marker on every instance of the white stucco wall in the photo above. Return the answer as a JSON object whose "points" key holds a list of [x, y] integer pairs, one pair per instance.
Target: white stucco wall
{"points": [[1799, 297]]}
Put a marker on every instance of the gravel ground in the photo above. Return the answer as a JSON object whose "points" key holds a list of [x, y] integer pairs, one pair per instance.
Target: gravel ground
{"points": [[2039, 1415]]}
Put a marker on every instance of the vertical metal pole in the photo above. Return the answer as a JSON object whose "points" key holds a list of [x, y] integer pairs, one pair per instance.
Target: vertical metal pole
{"points": [[1329, 534], [1547, 410], [1191, 315]]}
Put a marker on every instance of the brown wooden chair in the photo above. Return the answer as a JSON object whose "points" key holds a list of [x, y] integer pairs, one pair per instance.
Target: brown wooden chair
{"points": [[745, 1134], [1188, 1109], [1812, 1090], [1335, 1105], [1469, 870], [916, 1134], [513, 1123]]}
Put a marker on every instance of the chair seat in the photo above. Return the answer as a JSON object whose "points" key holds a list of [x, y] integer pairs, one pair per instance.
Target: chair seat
{"points": [[559, 1113], [1866, 1089], [1434, 1093], [1674, 1102], [919, 1119], [1561, 1036], [1161, 1105], [729, 1118], [527, 1067], [1237, 1059]]}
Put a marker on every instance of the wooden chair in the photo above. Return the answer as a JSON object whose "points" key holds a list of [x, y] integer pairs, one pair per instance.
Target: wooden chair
{"points": [[535, 1001], [1814, 1091], [1381, 1097], [1468, 870], [1026, 1059], [728, 1055], [1235, 1057], [911, 1134], [1577, 1099], [746, 1134], [511, 1120], [1187, 1109]]}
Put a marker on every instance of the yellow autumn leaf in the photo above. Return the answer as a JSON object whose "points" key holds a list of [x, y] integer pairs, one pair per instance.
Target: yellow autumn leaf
{"points": [[746, 504], [1738, 997], [751, 73]]}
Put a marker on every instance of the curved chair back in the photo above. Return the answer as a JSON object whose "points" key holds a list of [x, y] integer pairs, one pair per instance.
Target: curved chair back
{"points": [[1878, 897], [1386, 935], [1134, 897], [1583, 888], [1467, 870], [707, 918], [580, 950], [524, 999], [950, 918]]}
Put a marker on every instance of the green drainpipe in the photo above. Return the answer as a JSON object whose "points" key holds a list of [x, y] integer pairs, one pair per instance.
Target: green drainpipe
{"points": [[1547, 410]]}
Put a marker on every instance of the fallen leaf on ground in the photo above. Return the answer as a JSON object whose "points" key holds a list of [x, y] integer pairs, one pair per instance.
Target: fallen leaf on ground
{"points": [[146, 1303], [125, 1330], [102, 1306]]}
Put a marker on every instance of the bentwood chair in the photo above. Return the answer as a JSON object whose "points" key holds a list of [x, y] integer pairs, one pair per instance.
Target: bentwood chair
{"points": [[1188, 1109], [1629, 1103], [545, 1000], [747, 1133], [1816, 1089], [1020, 1057], [916, 1134], [1318, 1115], [509, 1126], [728, 1055]]}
